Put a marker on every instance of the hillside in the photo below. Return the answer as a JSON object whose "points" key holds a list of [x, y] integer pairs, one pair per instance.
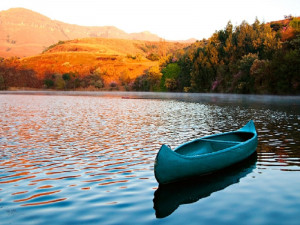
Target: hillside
{"points": [[108, 58], [285, 28], [27, 33]]}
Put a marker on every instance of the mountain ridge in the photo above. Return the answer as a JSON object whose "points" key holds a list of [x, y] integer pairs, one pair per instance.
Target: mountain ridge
{"points": [[24, 32]]}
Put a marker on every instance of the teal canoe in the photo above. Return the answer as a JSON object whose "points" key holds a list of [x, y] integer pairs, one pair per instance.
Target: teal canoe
{"points": [[205, 155]]}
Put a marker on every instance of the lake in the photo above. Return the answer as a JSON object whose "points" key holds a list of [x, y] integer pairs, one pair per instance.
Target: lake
{"points": [[88, 158]]}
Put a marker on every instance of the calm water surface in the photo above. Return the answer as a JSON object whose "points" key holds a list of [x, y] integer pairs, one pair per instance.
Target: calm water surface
{"points": [[89, 159]]}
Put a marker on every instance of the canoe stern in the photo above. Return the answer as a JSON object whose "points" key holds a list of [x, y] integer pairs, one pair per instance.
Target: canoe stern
{"points": [[169, 165], [249, 127], [162, 159]]}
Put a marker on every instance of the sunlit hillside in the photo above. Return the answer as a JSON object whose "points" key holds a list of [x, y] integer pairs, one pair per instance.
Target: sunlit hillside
{"points": [[287, 28], [104, 46], [111, 58]]}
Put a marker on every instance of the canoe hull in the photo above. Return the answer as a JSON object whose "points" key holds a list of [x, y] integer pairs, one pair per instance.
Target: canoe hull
{"points": [[171, 166]]}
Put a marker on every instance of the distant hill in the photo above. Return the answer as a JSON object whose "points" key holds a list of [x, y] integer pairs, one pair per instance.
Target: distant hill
{"points": [[111, 57], [27, 33]]}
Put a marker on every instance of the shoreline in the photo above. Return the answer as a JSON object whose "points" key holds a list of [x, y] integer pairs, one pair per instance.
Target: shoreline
{"points": [[194, 97]]}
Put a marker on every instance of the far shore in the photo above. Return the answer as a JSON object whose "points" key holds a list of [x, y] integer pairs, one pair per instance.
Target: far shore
{"points": [[192, 97]]}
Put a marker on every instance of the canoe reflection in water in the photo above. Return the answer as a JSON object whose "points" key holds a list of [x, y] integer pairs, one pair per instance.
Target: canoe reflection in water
{"points": [[168, 197]]}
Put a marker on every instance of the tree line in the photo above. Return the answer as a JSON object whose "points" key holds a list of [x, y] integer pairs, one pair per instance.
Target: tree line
{"points": [[253, 58], [243, 59]]}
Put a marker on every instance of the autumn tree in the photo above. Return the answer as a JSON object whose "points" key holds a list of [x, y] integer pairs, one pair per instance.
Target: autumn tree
{"points": [[154, 77], [235, 59]]}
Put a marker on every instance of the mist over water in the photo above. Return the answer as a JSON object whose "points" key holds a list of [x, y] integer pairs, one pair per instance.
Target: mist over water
{"points": [[87, 158]]}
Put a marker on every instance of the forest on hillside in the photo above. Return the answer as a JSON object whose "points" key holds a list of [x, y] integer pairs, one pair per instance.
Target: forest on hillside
{"points": [[253, 58]]}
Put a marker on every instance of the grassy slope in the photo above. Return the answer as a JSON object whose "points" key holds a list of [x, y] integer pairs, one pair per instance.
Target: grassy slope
{"points": [[111, 56]]}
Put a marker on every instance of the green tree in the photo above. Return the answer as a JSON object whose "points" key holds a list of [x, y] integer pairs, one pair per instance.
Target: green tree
{"points": [[66, 77], [171, 73], [260, 71], [49, 83], [141, 83], [286, 67], [246, 82], [295, 24], [246, 62]]}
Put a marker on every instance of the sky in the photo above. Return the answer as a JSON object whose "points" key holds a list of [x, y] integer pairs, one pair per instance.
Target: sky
{"points": [[169, 19]]}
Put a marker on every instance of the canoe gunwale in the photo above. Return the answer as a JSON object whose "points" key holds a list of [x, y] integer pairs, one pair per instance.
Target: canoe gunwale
{"points": [[202, 155]]}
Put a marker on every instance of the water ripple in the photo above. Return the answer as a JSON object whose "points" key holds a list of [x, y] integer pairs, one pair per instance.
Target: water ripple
{"points": [[66, 153]]}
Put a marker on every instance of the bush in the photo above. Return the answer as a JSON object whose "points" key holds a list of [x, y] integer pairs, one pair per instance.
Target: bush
{"points": [[49, 83], [113, 84], [54, 45], [60, 84], [66, 77], [124, 77], [129, 56], [2, 83], [99, 84], [142, 83], [171, 84], [153, 57]]}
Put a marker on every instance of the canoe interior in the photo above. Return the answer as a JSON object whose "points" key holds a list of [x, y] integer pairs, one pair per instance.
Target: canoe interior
{"points": [[232, 136], [213, 143]]}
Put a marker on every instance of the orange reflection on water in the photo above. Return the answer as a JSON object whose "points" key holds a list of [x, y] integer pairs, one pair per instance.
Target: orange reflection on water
{"points": [[19, 193], [16, 180], [45, 186], [62, 146], [114, 182], [111, 203], [99, 174], [56, 178], [45, 203], [85, 188], [97, 180], [130, 176], [16, 175], [58, 172], [37, 195]]}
